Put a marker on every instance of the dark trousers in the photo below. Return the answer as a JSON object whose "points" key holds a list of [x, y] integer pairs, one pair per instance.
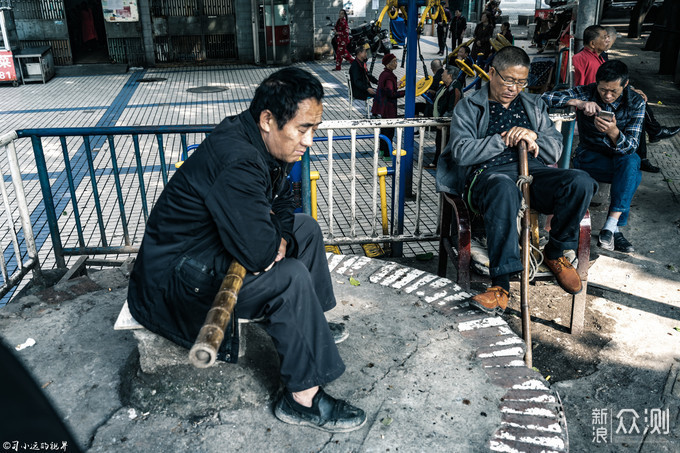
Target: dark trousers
{"points": [[438, 144], [441, 37], [652, 127], [292, 297], [565, 193], [384, 147]]}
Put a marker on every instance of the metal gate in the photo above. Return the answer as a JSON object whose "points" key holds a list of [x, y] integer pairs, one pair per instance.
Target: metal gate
{"points": [[43, 23], [194, 30]]}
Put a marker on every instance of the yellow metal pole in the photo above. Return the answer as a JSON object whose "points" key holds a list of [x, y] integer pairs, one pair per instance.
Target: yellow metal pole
{"points": [[382, 172], [313, 176]]}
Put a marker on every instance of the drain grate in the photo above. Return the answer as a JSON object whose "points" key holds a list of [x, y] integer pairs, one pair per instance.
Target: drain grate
{"points": [[152, 79], [207, 89]]}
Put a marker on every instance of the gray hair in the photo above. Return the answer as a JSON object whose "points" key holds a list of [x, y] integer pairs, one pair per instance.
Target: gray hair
{"points": [[611, 31], [452, 69], [436, 65], [510, 56]]}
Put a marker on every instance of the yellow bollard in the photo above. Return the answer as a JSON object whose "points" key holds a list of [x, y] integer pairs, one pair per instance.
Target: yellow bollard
{"points": [[313, 176], [382, 172]]}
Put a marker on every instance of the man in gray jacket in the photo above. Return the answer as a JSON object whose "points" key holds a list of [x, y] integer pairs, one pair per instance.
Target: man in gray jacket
{"points": [[480, 163]]}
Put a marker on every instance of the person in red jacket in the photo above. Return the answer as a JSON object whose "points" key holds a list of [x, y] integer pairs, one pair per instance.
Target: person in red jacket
{"points": [[386, 95], [342, 40], [596, 42]]}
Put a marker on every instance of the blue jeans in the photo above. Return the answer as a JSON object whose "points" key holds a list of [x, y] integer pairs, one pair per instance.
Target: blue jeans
{"points": [[622, 171]]}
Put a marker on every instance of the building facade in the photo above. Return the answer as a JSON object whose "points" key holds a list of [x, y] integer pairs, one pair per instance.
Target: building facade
{"points": [[153, 32]]}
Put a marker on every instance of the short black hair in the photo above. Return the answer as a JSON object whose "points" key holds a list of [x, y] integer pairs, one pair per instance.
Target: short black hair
{"points": [[467, 49], [282, 91], [506, 24], [510, 56], [591, 33], [612, 71]]}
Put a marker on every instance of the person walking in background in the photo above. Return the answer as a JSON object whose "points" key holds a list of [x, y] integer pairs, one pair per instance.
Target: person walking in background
{"points": [[507, 34], [342, 40], [385, 103], [87, 24], [457, 28], [442, 29], [482, 35]]}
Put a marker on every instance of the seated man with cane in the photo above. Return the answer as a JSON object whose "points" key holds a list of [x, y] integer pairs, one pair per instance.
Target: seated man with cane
{"points": [[480, 163], [230, 200], [610, 116]]}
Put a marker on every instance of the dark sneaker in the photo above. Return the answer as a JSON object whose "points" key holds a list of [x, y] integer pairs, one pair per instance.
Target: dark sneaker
{"points": [[606, 240], [326, 413], [566, 275], [665, 132], [646, 165], [621, 244], [339, 331], [493, 301]]}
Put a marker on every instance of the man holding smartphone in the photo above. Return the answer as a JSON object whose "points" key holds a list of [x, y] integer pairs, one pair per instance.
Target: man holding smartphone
{"points": [[610, 117]]}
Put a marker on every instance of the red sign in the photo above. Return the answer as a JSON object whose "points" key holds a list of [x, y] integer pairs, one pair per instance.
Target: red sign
{"points": [[7, 71], [543, 13], [282, 34]]}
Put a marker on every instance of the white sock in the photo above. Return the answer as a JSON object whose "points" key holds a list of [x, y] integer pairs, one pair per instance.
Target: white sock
{"points": [[611, 224]]}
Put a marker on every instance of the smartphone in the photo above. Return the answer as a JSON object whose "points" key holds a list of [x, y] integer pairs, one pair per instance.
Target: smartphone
{"points": [[609, 116]]}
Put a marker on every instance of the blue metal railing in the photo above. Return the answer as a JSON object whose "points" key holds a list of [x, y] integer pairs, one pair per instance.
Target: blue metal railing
{"points": [[97, 137], [65, 183]]}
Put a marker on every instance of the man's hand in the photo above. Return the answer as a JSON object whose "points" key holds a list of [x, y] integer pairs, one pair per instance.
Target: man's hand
{"points": [[512, 137], [608, 127], [282, 250], [644, 96], [371, 91], [279, 256], [590, 108]]}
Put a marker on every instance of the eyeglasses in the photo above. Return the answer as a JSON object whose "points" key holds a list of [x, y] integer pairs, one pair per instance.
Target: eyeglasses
{"points": [[510, 82]]}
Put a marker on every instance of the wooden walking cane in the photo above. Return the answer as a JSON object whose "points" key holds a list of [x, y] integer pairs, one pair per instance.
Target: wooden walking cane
{"points": [[204, 351], [526, 227]]}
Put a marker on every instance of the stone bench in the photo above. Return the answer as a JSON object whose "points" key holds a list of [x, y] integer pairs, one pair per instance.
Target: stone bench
{"points": [[155, 351]]}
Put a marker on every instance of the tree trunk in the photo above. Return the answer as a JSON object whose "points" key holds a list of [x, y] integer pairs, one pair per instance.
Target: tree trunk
{"points": [[637, 17]]}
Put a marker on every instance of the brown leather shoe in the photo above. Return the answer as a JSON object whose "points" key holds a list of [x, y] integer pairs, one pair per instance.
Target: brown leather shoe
{"points": [[494, 300], [565, 274]]}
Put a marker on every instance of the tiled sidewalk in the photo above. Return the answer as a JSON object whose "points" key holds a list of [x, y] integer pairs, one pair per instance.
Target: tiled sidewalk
{"points": [[123, 100]]}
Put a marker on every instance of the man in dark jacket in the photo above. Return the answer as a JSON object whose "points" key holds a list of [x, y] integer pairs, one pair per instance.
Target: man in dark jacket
{"points": [[457, 28], [359, 76], [231, 201]]}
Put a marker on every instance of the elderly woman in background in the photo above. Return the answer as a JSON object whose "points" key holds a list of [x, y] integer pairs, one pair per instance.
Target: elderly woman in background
{"points": [[342, 40], [483, 33], [385, 103]]}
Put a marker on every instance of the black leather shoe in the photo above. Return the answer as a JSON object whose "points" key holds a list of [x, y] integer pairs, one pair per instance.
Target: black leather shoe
{"points": [[606, 240], [326, 413], [339, 331], [646, 165], [665, 132], [621, 244]]}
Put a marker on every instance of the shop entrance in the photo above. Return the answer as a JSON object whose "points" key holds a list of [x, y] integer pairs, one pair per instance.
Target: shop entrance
{"points": [[87, 31]]}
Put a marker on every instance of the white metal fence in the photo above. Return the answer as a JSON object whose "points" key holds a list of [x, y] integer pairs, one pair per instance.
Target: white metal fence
{"points": [[19, 253]]}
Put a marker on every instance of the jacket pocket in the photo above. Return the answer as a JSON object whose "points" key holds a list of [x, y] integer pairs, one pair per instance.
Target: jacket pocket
{"points": [[196, 277]]}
